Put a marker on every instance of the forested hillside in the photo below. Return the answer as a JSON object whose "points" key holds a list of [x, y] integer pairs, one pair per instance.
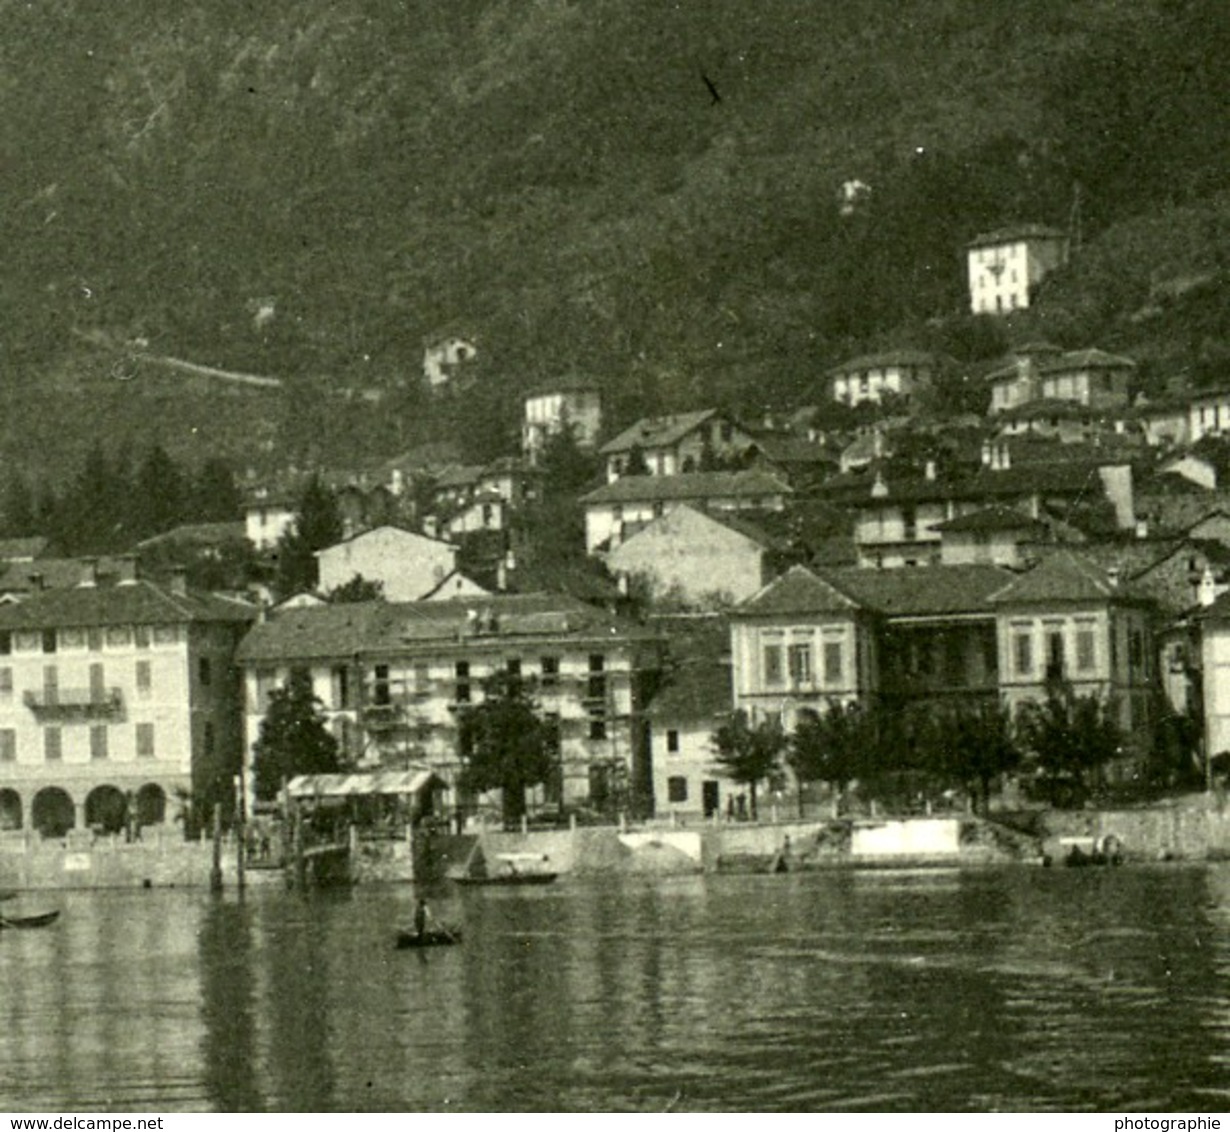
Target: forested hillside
{"points": [[642, 192]]}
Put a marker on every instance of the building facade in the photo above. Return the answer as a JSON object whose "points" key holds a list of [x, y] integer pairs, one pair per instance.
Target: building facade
{"points": [[408, 565], [1006, 265], [118, 703], [552, 410], [676, 444], [900, 373], [616, 510], [393, 680]]}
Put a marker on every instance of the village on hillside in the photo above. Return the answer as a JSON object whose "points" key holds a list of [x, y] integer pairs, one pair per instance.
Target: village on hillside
{"points": [[694, 618]]}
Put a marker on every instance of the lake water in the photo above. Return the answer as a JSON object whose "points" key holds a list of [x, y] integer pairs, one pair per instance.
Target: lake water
{"points": [[935, 990]]}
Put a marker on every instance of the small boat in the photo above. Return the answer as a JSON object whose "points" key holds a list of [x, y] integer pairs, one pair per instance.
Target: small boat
{"points": [[509, 869], [433, 937], [42, 920], [509, 879]]}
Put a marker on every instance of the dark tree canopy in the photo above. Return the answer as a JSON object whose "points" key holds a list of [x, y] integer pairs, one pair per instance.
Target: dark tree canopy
{"points": [[506, 744], [1071, 738], [318, 524], [293, 738], [749, 755], [357, 589]]}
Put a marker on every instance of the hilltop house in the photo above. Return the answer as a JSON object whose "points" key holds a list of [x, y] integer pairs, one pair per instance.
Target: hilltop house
{"points": [[872, 377], [268, 515], [616, 509], [676, 444], [1092, 378], [116, 701], [409, 566], [1005, 266], [395, 677], [1015, 381], [553, 408]]}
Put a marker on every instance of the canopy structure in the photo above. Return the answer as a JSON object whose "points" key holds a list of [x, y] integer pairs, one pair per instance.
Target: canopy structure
{"points": [[380, 782]]}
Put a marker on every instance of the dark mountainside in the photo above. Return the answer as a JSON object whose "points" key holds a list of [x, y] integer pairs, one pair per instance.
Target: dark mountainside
{"points": [[640, 192]]}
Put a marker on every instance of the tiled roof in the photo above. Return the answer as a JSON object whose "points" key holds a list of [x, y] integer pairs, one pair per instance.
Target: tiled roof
{"points": [[793, 450], [460, 475], [887, 359], [657, 432], [1060, 478], [367, 535], [12, 549], [1086, 359], [1050, 407], [380, 627], [699, 690], [564, 385], [1059, 577], [690, 485], [137, 603], [799, 590], [994, 518], [1016, 233], [925, 591]]}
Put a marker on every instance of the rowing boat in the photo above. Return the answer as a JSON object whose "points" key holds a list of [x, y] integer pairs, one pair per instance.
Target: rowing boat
{"points": [[39, 921], [434, 937]]}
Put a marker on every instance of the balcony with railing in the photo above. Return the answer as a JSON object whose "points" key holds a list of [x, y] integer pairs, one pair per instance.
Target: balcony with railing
{"points": [[69, 704]]}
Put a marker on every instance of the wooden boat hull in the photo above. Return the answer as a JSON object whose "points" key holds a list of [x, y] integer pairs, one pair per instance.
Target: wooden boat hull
{"points": [[510, 880], [40, 921], [437, 937]]}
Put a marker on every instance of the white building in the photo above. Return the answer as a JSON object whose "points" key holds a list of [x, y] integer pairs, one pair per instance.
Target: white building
{"points": [[409, 566], [1005, 265], [872, 377], [116, 701], [556, 407]]}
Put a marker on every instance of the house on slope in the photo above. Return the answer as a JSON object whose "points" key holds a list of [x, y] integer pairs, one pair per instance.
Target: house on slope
{"points": [[567, 404], [676, 444], [873, 377], [615, 510], [697, 557], [408, 565], [1006, 266]]}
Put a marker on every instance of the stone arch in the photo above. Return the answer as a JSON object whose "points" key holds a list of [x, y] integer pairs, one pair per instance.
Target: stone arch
{"points": [[10, 810], [151, 802], [106, 809], [53, 814]]}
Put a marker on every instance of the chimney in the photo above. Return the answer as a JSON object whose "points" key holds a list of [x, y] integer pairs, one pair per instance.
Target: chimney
{"points": [[179, 581], [37, 581], [127, 564], [501, 576], [621, 581], [879, 489], [430, 527], [929, 470], [89, 573], [1142, 528], [1112, 575]]}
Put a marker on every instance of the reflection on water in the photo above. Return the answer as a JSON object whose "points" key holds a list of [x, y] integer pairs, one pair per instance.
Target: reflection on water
{"points": [[993, 989]]}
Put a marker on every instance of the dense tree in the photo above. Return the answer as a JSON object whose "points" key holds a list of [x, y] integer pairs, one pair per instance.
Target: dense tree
{"points": [[357, 589], [749, 755], [318, 524], [158, 496], [293, 739], [976, 745], [213, 496], [829, 747], [1070, 738], [506, 744]]}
